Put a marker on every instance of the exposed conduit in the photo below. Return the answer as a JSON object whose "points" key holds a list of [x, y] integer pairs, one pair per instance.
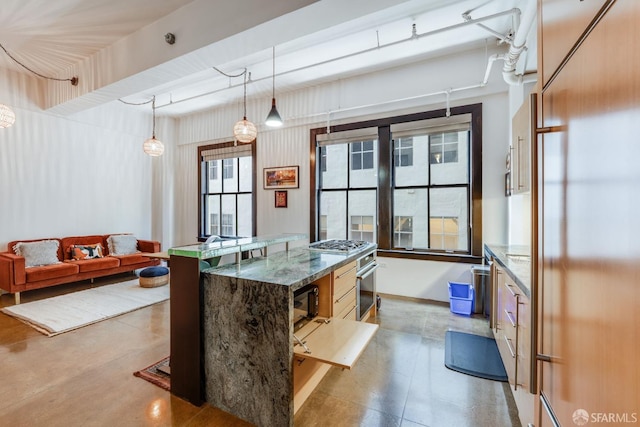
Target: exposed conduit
{"points": [[414, 36], [446, 92], [518, 45]]}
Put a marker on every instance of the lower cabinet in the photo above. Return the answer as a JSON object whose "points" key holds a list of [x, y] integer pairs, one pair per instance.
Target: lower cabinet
{"points": [[512, 331], [334, 338]]}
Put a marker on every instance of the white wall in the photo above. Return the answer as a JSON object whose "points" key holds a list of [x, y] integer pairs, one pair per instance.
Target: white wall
{"points": [[309, 108], [86, 173], [75, 175]]}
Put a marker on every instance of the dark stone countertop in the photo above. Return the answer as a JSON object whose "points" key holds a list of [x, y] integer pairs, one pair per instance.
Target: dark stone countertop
{"points": [[295, 267]]}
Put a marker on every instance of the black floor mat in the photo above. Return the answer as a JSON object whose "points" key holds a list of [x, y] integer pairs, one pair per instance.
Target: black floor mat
{"points": [[473, 355]]}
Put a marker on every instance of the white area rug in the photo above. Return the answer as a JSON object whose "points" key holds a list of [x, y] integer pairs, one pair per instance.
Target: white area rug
{"points": [[53, 316]]}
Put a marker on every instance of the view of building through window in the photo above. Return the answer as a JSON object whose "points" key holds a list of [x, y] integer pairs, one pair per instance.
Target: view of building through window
{"points": [[227, 191], [430, 189]]}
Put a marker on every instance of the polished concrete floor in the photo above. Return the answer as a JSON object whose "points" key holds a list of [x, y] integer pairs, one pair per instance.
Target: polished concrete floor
{"points": [[85, 377]]}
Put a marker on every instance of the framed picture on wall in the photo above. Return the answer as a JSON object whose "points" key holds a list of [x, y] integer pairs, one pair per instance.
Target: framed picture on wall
{"points": [[281, 198], [281, 177]]}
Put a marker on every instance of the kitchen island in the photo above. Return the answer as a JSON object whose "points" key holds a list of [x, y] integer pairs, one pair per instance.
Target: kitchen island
{"points": [[253, 366]]}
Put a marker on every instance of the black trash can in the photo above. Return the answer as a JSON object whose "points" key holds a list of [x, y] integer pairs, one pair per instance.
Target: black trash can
{"points": [[481, 275]]}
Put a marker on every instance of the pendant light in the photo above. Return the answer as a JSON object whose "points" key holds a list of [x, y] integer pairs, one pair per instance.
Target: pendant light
{"points": [[152, 146], [273, 118], [244, 131], [7, 116]]}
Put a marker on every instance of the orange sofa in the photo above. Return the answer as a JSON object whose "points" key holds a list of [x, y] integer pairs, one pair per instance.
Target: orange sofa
{"points": [[71, 264]]}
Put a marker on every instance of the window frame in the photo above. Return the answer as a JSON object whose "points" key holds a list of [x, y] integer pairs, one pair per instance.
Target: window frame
{"points": [[385, 189], [203, 182]]}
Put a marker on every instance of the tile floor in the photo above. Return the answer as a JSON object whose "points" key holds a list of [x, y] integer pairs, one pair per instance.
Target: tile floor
{"points": [[84, 377]]}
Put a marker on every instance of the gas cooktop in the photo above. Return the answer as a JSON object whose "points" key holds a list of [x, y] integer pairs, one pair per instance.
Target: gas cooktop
{"points": [[337, 245]]}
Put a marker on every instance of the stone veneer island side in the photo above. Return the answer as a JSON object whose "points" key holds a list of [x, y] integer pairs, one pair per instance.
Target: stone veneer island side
{"points": [[248, 341]]}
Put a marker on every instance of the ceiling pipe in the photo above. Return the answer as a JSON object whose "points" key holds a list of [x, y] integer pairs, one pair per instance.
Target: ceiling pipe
{"points": [[519, 44], [493, 58], [414, 36]]}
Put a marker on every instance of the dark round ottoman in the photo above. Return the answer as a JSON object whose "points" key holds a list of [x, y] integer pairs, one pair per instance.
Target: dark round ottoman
{"points": [[151, 277]]}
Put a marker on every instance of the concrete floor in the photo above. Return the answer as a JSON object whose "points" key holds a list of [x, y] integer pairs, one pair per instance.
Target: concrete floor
{"points": [[85, 377]]}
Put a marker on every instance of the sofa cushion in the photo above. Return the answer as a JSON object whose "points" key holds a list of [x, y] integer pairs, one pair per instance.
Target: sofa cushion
{"points": [[53, 271], [96, 264], [79, 252], [122, 244], [43, 252], [131, 259]]}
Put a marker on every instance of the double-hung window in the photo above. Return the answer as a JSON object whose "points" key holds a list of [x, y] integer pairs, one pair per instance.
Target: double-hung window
{"points": [[434, 194], [227, 190], [347, 198], [409, 183]]}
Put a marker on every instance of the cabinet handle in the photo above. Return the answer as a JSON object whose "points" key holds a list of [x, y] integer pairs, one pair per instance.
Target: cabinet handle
{"points": [[519, 175], [510, 317], [551, 129], [347, 272], [350, 311], [543, 358], [343, 296], [511, 291], [508, 341], [302, 343], [548, 410]]}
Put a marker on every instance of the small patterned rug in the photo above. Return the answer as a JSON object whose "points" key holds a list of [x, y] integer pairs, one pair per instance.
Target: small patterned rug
{"points": [[157, 374]]}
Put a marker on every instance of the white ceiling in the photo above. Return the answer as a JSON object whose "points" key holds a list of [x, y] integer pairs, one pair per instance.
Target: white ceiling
{"points": [[315, 42]]}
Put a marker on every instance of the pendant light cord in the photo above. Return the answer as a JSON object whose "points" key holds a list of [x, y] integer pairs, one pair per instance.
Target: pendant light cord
{"points": [[245, 94], [153, 107], [274, 73], [244, 84], [73, 80]]}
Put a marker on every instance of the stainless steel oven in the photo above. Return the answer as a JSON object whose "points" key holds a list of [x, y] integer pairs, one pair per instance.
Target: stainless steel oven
{"points": [[366, 283]]}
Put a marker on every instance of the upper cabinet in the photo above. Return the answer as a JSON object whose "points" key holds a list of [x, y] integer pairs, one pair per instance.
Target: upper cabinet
{"points": [[562, 24], [521, 135]]}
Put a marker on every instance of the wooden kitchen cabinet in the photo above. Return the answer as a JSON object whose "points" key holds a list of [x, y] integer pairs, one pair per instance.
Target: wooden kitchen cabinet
{"points": [[335, 339], [589, 251], [562, 24], [344, 292], [512, 331], [521, 137]]}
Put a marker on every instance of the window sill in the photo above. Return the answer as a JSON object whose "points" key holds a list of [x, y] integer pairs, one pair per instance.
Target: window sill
{"points": [[430, 256]]}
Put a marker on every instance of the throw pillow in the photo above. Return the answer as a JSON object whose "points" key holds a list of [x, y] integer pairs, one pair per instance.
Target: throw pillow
{"points": [[44, 252], [122, 244], [79, 252]]}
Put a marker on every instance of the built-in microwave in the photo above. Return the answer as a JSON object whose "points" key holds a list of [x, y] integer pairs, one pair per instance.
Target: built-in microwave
{"points": [[305, 305]]}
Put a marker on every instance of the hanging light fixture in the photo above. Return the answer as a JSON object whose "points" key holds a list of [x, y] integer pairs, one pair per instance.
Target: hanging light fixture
{"points": [[7, 116], [273, 118], [152, 146], [244, 131]]}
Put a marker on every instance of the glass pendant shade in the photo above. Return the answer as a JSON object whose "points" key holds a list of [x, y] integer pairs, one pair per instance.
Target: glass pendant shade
{"points": [[153, 147], [245, 131], [7, 116], [273, 118]]}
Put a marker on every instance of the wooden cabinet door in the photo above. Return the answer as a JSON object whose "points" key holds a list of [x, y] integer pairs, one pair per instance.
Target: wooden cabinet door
{"points": [[590, 250], [521, 134], [562, 23]]}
